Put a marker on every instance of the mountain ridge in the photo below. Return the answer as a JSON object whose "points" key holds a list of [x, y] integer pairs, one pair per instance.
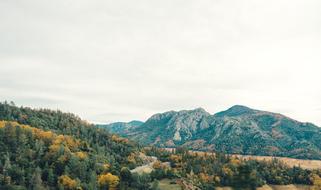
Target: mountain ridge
{"points": [[239, 130]]}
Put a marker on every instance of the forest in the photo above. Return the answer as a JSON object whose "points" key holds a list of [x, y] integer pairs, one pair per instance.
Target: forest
{"points": [[46, 149]]}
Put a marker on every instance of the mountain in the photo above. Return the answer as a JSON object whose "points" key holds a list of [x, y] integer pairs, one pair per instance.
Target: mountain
{"points": [[120, 127], [237, 130]]}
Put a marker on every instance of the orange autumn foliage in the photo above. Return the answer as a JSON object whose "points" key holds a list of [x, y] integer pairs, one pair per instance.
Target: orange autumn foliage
{"points": [[66, 140], [157, 165], [46, 136], [131, 158], [217, 179], [67, 182], [235, 161], [176, 158], [13, 124], [227, 171], [106, 166], [109, 180], [81, 155], [68, 143], [118, 139], [205, 178], [2, 124], [316, 180]]}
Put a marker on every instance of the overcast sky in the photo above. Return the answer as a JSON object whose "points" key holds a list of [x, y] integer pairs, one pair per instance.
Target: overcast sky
{"points": [[121, 60]]}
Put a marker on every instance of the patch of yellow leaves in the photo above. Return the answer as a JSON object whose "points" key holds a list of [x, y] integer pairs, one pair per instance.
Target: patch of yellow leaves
{"points": [[316, 180], [81, 155], [235, 161], [109, 180], [118, 139], [67, 182], [69, 144], [176, 158], [106, 166], [132, 158], [227, 171]]}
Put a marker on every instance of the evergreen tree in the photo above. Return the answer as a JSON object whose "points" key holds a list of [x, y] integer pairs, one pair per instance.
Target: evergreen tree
{"points": [[51, 177], [92, 180], [36, 180], [155, 185]]}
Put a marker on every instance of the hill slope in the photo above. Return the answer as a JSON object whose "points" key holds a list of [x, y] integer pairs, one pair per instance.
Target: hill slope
{"points": [[45, 149], [121, 127], [238, 130]]}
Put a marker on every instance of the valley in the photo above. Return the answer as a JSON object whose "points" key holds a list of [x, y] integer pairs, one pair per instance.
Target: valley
{"points": [[291, 162], [178, 184]]}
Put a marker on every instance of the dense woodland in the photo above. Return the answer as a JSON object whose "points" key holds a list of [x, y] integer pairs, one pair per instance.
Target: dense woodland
{"points": [[45, 149], [208, 170], [42, 149]]}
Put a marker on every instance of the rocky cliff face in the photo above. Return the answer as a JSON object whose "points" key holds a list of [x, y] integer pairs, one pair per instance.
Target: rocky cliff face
{"points": [[239, 130]]}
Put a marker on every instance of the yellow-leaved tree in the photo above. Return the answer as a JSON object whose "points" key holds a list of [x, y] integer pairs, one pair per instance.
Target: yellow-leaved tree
{"points": [[67, 183], [108, 181], [316, 180], [81, 155]]}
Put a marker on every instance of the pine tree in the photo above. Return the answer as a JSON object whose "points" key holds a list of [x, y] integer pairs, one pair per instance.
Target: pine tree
{"points": [[6, 169], [51, 177], [155, 185], [37, 181], [92, 180], [7, 164]]}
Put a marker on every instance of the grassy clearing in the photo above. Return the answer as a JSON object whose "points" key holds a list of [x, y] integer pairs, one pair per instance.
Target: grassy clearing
{"points": [[165, 184], [306, 164], [288, 187], [275, 187]]}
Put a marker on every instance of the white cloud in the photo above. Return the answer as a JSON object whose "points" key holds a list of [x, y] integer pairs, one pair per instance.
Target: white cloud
{"points": [[122, 60]]}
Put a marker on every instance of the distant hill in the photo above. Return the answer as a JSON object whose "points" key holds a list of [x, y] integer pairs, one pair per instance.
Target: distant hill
{"points": [[121, 127], [238, 130]]}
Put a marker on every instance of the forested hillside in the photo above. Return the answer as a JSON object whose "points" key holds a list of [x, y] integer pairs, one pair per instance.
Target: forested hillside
{"points": [[43, 149]]}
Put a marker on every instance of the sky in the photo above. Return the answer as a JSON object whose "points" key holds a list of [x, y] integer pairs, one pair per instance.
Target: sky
{"points": [[121, 60]]}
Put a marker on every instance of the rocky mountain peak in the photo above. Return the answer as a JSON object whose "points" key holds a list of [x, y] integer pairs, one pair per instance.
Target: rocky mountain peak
{"points": [[236, 110]]}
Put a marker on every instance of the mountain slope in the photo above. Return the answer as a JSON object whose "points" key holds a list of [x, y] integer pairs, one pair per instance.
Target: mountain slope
{"points": [[239, 130], [45, 149], [120, 127]]}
